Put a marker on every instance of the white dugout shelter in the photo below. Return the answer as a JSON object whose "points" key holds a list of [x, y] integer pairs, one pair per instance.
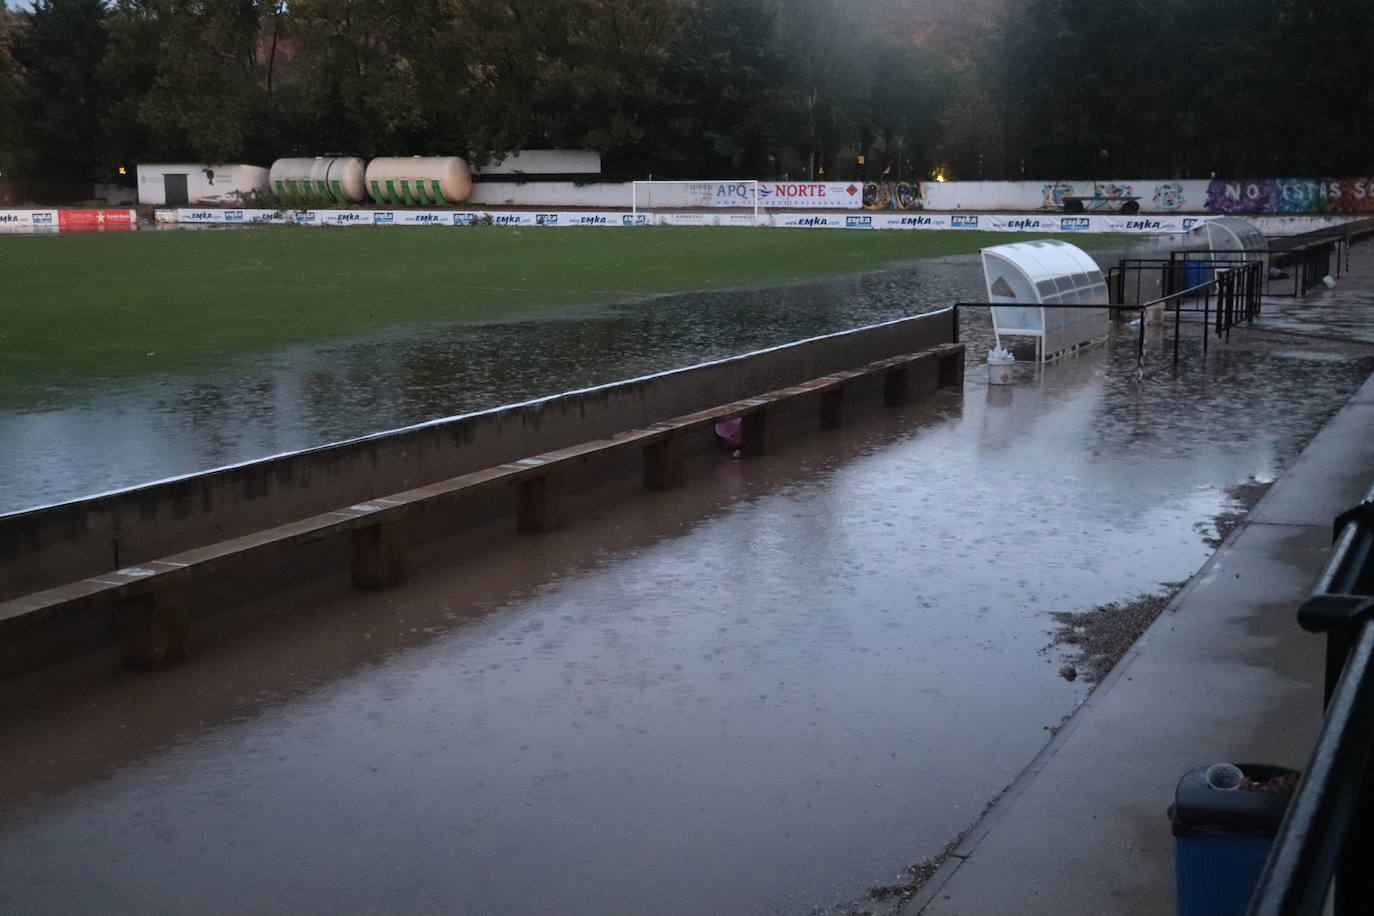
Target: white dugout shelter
{"points": [[1047, 272]]}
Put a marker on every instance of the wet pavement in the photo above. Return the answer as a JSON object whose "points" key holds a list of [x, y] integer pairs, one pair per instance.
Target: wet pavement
{"points": [[763, 693]]}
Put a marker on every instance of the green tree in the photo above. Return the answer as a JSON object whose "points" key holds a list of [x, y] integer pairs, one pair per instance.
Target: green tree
{"points": [[565, 73], [11, 91], [904, 91], [211, 98], [822, 84], [130, 64], [719, 113], [57, 128], [379, 77]]}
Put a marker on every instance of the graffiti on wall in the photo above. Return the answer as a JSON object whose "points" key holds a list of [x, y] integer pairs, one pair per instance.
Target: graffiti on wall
{"points": [[1052, 195], [1291, 195], [1168, 197], [893, 195]]}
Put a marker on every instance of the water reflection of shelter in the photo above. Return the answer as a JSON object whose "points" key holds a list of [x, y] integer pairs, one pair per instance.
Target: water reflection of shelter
{"points": [[1034, 277]]}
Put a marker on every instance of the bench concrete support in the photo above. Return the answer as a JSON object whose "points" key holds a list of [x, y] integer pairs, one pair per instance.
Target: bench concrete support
{"points": [[896, 387], [150, 605], [834, 408], [379, 555], [951, 373], [152, 629], [754, 433], [663, 464], [540, 499]]}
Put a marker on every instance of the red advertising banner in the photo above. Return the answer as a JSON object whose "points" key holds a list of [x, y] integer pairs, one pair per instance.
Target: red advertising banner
{"points": [[94, 220]]}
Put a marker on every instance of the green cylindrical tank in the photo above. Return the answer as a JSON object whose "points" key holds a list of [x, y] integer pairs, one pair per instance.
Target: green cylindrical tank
{"points": [[319, 181], [419, 180]]}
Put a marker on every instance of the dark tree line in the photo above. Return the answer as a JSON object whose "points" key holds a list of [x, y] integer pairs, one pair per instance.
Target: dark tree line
{"points": [[699, 88]]}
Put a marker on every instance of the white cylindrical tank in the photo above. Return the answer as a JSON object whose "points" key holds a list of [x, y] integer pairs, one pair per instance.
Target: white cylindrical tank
{"points": [[321, 180], [419, 180]]}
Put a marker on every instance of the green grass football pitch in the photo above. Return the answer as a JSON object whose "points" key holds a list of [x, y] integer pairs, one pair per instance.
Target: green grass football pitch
{"points": [[100, 308]]}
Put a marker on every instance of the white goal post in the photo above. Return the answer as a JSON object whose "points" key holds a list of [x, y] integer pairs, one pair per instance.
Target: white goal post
{"points": [[656, 195]]}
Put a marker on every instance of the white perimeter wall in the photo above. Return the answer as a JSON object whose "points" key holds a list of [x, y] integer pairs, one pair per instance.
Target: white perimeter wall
{"points": [[545, 162], [1157, 195], [549, 194]]}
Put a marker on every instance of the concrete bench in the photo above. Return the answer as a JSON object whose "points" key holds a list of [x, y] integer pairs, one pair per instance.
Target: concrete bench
{"points": [[151, 602]]}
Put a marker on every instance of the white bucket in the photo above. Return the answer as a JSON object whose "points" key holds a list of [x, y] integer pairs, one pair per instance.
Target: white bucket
{"points": [[999, 367]]}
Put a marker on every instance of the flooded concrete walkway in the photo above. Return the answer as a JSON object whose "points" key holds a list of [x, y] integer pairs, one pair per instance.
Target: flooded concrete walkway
{"points": [[1224, 674], [763, 693]]}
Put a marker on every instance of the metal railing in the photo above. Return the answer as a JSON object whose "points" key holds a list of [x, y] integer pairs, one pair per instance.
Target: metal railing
{"points": [[1235, 293], [1325, 845], [1233, 296]]}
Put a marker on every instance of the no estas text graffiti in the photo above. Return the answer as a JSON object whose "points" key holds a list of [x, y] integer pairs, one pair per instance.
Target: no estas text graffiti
{"points": [[1291, 195]]}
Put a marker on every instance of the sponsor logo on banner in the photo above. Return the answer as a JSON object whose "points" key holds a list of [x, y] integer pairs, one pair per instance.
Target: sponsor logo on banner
{"points": [[546, 219], [1074, 224], [634, 219], [963, 222], [811, 195], [305, 216], [13, 218], [729, 195], [423, 219], [1143, 225], [463, 219], [1189, 222], [810, 221], [793, 191], [201, 215], [233, 216], [858, 222], [348, 217], [90, 219], [505, 219], [383, 218], [1031, 223], [590, 220], [916, 221]]}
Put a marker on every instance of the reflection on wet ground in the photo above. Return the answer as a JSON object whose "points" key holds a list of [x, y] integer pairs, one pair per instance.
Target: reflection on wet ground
{"points": [[759, 694], [1343, 312]]}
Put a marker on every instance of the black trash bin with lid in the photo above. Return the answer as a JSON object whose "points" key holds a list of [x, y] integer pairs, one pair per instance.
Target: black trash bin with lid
{"points": [[1221, 839]]}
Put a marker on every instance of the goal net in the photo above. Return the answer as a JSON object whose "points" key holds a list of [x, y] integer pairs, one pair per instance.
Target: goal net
{"points": [[733, 197]]}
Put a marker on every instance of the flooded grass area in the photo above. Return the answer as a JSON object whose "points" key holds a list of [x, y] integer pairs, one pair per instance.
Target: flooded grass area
{"points": [[769, 692], [309, 395], [90, 312]]}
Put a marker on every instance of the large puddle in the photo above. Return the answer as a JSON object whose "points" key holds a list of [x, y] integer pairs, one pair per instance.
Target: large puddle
{"points": [[762, 693], [307, 396]]}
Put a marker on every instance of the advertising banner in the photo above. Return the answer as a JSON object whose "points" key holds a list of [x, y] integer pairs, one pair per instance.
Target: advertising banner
{"points": [[815, 221], [23, 220], [811, 195], [1044, 223], [94, 220], [708, 219]]}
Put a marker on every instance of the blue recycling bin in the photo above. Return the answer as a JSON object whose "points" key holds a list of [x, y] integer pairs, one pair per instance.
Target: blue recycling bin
{"points": [[1221, 839], [1194, 274]]}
